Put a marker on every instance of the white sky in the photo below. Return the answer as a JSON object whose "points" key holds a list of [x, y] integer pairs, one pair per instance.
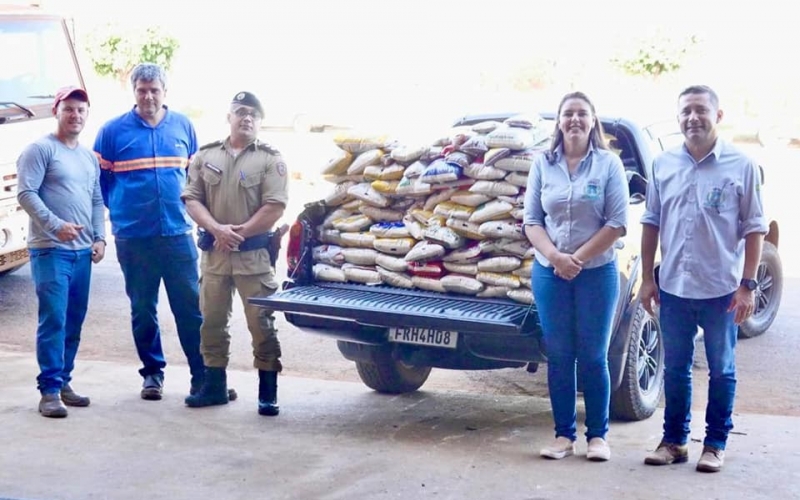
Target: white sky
{"points": [[382, 50]]}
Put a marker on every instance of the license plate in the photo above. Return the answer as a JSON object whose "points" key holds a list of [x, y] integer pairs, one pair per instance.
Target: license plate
{"points": [[423, 336]]}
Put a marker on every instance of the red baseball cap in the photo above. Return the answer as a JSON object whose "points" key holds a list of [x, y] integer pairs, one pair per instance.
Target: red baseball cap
{"points": [[70, 92]]}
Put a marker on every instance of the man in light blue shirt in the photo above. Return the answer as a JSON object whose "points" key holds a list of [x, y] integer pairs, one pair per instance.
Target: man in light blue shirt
{"points": [[704, 202]]}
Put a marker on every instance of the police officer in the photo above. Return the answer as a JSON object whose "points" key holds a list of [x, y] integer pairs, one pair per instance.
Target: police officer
{"points": [[236, 192]]}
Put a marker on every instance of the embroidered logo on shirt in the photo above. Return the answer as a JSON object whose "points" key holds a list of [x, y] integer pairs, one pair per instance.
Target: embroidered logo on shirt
{"points": [[592, 190], [715, 199]]}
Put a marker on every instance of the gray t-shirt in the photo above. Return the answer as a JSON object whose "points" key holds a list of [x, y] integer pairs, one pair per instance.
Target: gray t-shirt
{"points": [[56, 185]]}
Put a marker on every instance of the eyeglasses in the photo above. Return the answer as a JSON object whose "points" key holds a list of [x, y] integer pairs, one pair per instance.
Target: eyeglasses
{"points": [[244, 112]]}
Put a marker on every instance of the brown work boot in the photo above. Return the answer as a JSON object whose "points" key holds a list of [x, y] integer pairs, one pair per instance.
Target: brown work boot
{"points": [[562, 447], [153, 387], [711, 460], [668, 453], [72, 398], [598, 450], [51, 406]]}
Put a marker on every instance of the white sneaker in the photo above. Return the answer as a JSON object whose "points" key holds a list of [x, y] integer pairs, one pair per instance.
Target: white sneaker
{"points": [[598, 450], [560, 448]]}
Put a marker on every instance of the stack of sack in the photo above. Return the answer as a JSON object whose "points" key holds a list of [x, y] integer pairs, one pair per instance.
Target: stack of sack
{"points": [[444, 217]]}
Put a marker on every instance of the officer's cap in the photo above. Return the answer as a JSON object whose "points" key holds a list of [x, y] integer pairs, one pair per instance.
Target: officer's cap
{"points": [[248, 99]]}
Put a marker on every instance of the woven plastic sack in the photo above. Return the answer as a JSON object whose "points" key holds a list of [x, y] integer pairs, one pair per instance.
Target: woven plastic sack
{"points": [[338, 164], [366, 193], [394, 246], [329, 236], [469, 230], [381, 173], [334, 215], [360, 240], [492, 291], [481, 171], [438, 197], [377, 214], [469, 253], [494, 188], [444, 236], [461, 283], [501, 264], [357, 143], [367, 275], [396, 264], [385, 187], [439, 172], [432, 269], [400, 280], [352, 223], [414, 227], [510, 229], [507, 280], [429, 284], [389, 230], [325, 272], [408, 154], [494, 210], [523, 295], [458, 268], [339, 194], [424, 251], [328, 254], [364, 160], [463, 197]]}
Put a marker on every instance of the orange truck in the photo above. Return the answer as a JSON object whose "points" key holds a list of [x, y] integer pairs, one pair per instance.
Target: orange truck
{"points": [[37, 56]]}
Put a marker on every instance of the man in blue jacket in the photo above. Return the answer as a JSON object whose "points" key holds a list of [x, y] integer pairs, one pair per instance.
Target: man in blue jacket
{"points": [[144, 155]]}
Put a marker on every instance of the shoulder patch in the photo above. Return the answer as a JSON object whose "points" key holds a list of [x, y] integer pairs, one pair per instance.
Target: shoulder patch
{"points": [[263, 146], [211, 145]]}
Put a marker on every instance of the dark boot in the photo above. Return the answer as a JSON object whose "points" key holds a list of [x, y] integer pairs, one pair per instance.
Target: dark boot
{"points": [[268, 393], [214, 390]]}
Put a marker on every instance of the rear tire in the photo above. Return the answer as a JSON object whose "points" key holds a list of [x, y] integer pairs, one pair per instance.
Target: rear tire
{"points": [[768, 294], [392, 377], [643, 378]]}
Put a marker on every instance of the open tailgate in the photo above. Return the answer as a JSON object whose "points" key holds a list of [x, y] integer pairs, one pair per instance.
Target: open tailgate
{"points": [[386, 306]]}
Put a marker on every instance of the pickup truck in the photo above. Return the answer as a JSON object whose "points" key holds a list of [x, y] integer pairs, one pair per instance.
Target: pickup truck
{"points": [[396, 336]]}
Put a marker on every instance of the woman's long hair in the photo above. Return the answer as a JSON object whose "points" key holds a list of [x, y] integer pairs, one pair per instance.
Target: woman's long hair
{"points": [[597, 137]]}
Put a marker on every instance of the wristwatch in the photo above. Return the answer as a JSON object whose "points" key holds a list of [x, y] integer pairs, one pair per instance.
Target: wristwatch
{"points": [[749, 284]]}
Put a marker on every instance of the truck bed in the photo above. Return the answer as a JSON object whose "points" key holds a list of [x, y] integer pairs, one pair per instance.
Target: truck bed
{"points": [[386, 306]]}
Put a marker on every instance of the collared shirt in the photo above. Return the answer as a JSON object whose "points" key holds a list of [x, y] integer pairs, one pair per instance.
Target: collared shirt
{"points": [[233, 188], [703, 210], [58, 184], [143, 170], [573, 207]]}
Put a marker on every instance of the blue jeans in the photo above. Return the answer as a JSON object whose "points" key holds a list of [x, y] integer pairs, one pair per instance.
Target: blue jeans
{"points": [[576, 319], [679, 321], [62, 279], [145, 262]]}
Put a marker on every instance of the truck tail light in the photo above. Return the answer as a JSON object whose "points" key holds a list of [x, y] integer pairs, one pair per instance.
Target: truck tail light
{"points": [[294, 249]]}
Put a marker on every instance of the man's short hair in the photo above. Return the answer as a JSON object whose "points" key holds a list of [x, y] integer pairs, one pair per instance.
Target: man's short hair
{"points": [[701, 89], [149, 72]]}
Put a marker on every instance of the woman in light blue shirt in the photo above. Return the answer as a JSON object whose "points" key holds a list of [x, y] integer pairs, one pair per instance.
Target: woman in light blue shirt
{"points": [[576, 207]]}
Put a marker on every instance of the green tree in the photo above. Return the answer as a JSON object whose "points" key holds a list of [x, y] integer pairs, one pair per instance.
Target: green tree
{"points": [[655, 55], [114, 52]]}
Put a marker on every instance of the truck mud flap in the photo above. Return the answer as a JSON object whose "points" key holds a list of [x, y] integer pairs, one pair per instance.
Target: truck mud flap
{"points": [[385, 306]]}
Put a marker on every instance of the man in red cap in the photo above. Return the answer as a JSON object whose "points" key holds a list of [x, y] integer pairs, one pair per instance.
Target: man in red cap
{"points": [[59, 189]]}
